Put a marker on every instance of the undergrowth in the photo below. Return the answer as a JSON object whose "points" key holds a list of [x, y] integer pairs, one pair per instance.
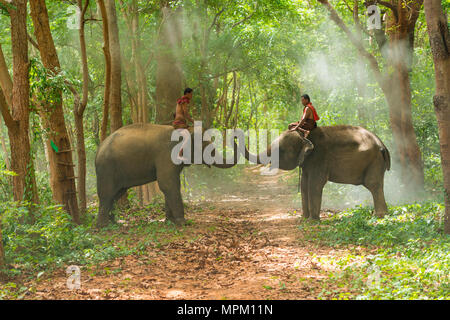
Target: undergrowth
{"points": [[404, 255], [37, 239]]}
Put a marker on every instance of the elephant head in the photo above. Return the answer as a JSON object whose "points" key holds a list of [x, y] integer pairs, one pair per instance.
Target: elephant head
{"points": [[290, 147]]}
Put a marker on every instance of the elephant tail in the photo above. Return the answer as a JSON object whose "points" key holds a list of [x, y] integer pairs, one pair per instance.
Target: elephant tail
{"points": [[386, 157], [384, 152]]}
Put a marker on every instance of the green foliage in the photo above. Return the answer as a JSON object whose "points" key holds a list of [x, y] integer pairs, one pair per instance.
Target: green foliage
{"points": [[6, 185], [44, 237], [403, 224], [405, 255]]}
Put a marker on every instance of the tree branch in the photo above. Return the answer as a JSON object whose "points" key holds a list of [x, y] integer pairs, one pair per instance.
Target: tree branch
{"points": [[34, 43], [348, 6], [245, 19], [215, 19], [387, 5], [357, 43]]}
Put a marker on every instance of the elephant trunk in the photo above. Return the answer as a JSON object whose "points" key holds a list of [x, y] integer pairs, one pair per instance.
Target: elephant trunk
{"points": [[225, 165], [258, 158]]}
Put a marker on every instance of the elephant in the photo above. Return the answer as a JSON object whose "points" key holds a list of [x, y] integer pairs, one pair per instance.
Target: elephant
{"points": [[138, 154], [341, 154]]}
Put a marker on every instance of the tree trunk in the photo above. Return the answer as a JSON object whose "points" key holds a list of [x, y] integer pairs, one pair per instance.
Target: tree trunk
{"points": [[169, 76], [115, 102], [440, 45], [62, 177], [400, 30], [395, 83], [107, 54], [115, 95], [78, 112], [140, 92], [16, 94]]}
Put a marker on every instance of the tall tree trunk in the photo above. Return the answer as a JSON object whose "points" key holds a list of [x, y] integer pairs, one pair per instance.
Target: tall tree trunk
{"points": [[169, 76], [440, 45], [395, 83], [78, 111], [115, 102], [62, 177], [139, 94], [400, 30], [115, 95], [15, 94], [107, 54]]}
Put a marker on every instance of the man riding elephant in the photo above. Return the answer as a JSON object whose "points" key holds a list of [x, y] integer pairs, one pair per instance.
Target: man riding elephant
{"points": [[181, 117], [182, 111], [309, 118]]}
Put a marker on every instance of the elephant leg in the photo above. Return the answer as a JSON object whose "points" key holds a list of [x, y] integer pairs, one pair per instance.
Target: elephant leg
{"points": [[315, 188], [118, 195], [304, 190], [374, 182], [169, 215], [378, 199], [104, 210], [170, 186], [105, 189]]}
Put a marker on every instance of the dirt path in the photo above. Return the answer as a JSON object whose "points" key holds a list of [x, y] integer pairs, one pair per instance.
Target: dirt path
{"points": [[242, 245]]}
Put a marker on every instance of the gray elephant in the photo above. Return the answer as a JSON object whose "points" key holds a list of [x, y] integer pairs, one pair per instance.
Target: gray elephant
{"points": [[135, 155], [341, 154]]}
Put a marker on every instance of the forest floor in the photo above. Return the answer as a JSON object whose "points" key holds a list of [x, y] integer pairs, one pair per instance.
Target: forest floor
{"points": [[242, 244]]}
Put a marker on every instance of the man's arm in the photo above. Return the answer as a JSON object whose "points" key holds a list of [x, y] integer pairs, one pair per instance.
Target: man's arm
{"points": [[307, 115], [304, 117]]}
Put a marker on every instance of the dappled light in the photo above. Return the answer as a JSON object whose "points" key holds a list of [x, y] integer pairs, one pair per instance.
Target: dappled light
{"points": [[224, 150]]}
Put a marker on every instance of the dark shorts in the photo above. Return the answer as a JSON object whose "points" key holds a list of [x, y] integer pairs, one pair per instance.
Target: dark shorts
{"points": [[309, 125], [178, 124]]}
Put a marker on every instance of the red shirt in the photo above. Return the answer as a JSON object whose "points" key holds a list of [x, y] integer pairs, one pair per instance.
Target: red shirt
{"points": [[315, 115], [183, 99]]}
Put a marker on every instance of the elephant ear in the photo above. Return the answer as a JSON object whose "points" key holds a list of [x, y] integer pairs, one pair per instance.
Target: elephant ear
{"points": [[306, 149]]}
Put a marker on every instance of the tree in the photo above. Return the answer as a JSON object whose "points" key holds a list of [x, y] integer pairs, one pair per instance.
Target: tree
{"points": [[439, 35], [79, 107], [14, 94], [115, 100], [112, 103], [136, 81], [62, 177], [397, 50], [107, 54]]}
